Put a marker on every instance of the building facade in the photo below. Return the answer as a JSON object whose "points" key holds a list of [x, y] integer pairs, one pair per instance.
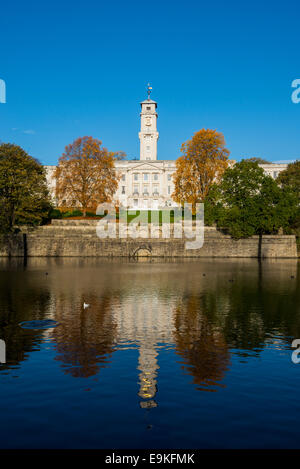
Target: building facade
{"points": [[147, 183]]}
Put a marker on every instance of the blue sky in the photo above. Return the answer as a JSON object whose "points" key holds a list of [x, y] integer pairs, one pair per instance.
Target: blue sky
{"points": [[80, 68]]}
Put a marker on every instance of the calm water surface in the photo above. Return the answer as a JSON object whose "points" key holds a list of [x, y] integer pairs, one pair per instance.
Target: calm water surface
{"points": [[193, 354]]}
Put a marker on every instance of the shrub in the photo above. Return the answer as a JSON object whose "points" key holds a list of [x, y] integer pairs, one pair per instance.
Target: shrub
{"points": [[72, 213], [55, 213]]}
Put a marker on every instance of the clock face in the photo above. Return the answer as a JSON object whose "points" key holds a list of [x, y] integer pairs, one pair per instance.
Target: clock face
{"points": [[148, 121]]}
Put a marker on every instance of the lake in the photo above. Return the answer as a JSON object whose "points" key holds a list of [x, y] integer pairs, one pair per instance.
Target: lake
{"points": [[167, 354]]}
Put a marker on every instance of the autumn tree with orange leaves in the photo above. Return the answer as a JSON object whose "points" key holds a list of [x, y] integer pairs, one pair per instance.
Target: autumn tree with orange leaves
{"points": [[86, 175], [203, 161]]}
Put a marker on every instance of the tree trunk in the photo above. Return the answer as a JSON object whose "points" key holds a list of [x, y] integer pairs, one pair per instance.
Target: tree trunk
{"points": [[259, 245]]}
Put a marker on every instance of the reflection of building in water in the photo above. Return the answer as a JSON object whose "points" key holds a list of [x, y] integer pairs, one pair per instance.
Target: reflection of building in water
{"points": [[85, 339], [151, 307], [148, 321], [146, 313], [148, 366]]}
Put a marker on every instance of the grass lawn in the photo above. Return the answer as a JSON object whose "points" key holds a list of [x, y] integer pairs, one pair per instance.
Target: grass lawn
{"points": [[142, 216]]}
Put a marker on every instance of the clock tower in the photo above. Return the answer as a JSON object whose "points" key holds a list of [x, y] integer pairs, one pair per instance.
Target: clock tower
{"points": [[148, 135]]}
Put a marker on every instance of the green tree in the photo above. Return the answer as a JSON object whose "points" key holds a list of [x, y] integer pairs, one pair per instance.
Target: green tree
{"points": [[255, 159], [248, 202], [24, 194], [213, 208], [289, 179]]}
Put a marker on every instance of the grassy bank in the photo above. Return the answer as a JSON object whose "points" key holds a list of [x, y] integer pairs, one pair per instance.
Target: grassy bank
{"points": [[142, 216]]}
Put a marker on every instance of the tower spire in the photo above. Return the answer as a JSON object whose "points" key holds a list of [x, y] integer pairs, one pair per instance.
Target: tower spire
{"points": [[149, 89], [148, 135]]}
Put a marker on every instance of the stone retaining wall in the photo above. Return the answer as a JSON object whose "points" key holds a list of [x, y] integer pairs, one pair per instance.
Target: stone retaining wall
{"points": [[76, 238]]}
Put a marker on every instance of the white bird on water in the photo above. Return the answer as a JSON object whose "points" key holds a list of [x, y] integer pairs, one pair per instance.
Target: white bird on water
{"points": [[85, 305]]}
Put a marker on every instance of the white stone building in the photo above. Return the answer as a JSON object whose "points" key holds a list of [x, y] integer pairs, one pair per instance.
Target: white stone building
{"points": [[147, 183]]}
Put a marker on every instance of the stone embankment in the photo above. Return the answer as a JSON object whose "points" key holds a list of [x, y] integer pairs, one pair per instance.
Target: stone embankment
{"points": [[78, 238]]}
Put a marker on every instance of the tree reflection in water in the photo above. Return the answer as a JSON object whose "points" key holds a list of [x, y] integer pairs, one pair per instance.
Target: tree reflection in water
{"points": [[20, 300], [85, 338], [151, 307], [201, 345]]}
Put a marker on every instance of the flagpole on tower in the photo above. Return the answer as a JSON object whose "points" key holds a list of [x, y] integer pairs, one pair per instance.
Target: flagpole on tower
{"points": [[149, 89]]}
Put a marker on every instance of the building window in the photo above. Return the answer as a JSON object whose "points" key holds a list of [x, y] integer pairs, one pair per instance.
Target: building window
{"points": [[275, 174], [135, 202], [169, 177], [169, 189], [155, 176], [145, 176], [148, 108], [123, 177], [148, 147], [123, 189], [136, 176], [136, 189]]}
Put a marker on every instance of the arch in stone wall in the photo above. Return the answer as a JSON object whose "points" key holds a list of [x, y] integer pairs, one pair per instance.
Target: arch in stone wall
{"points": [[143, 251]]}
